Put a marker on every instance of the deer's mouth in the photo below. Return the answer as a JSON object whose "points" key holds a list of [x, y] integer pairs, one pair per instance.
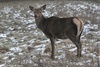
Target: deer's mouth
{"points": [[35, 16]]}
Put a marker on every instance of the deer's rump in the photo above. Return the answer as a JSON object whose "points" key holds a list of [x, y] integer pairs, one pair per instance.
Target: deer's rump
{"points": [[60, 27]]}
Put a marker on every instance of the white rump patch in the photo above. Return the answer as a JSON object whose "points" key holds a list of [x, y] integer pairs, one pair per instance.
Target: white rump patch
{"points": [[79, 23]]}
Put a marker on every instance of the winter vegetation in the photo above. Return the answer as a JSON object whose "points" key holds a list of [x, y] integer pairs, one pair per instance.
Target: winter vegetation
{"points": [[22, 44]]}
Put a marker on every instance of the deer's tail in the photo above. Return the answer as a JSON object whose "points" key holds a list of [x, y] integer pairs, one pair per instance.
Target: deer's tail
{"points": [[80, 24]]}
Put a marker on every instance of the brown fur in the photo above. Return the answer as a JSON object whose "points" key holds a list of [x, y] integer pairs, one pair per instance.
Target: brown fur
{"points": [[61, 28], [79, 23]]}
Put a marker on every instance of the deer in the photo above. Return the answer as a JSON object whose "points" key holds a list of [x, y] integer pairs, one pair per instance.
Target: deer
{"points": [[59, 28]]}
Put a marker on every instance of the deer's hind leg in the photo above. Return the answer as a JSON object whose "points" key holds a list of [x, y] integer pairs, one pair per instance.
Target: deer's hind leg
{"points": [[77, 42]]}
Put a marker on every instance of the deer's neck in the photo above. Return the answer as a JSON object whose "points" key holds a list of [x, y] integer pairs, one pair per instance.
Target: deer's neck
{"points": [[39, 21]]}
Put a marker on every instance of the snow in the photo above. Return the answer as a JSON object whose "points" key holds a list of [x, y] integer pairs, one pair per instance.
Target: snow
{"points": [[16, 49], [10, 54], [47, 14], [45, 41], [5, 58], [10, 60], [58, 41], [18, 37], [82, 6], [40, 48], [89, 26], [93, 54], [73, 49], [21, 54], [31, 41], [13, 39], [32, 26], [88, 61], [83, 52], [16, 15], [60, 56], [79, 63], [60, 50], [2, 65], [3, 35], [6, 10]]}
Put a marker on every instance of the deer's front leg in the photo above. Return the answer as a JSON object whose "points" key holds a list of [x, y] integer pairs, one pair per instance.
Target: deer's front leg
{"points": [[53, 47]]}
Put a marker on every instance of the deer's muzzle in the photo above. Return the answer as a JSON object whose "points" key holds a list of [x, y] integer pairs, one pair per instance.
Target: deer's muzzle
{"points": [[35, 16]]}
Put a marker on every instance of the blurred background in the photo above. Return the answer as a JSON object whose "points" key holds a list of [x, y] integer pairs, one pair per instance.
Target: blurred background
{"points": [[22, 44]]}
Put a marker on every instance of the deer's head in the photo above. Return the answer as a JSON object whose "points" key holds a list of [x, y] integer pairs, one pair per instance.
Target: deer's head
{"points": [[37, 11]]}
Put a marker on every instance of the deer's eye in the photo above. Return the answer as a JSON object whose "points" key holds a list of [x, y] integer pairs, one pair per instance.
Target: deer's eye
{"points": [[39, 11]]}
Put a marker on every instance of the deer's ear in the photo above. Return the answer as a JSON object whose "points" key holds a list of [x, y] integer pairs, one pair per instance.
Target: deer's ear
{"points": [[43, 7], [31, 8]]}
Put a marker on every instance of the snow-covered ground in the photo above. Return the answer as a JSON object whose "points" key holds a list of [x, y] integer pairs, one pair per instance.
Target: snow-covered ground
{"points": [[22, 44]]}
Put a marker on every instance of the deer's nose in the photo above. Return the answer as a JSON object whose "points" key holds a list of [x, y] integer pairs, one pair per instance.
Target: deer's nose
{"points": [[35, 16]]}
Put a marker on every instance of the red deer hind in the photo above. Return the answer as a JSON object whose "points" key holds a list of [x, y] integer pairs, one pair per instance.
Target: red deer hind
{"points": [[61, 28]]}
